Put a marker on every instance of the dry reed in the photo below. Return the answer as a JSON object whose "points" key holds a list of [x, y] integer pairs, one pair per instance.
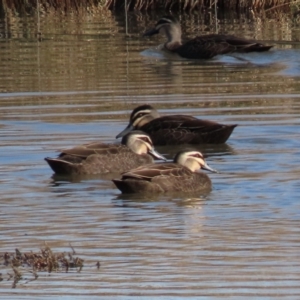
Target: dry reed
{"points": [[28, 6]]}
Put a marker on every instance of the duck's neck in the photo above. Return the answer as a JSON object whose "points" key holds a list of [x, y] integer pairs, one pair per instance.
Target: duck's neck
{"points": [[146, 119], [191, 164], [173, 35]]}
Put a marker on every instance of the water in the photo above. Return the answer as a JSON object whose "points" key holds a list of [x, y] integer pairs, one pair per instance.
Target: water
{"points": [[79, 84]]}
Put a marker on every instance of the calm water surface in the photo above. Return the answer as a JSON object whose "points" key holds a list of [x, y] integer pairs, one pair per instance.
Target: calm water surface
{"points": [[79, 84]]}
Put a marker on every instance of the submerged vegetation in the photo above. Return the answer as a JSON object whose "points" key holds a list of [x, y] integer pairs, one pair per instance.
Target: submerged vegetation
{"points": [[45, 260], [185, 5]]}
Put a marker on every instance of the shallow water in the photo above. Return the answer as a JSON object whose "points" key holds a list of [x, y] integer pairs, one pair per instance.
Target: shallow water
{"points": [[79, 84]]}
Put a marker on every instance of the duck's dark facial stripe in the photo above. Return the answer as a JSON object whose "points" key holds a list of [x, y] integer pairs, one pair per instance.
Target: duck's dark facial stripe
{"points": [[139, 109], [146, 139], [163, 21], [198, 155], [167, 19], [140, 114]]}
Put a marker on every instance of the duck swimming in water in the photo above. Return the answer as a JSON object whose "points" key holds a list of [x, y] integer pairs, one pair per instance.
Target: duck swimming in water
{"points": [[204, 46], [176, 129], [179, 176], [136, 149]]}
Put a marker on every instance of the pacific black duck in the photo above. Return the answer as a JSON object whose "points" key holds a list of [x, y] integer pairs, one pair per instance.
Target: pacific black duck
{"points": [[136, 149], [176, 129], [204, 46], [179, 176]]}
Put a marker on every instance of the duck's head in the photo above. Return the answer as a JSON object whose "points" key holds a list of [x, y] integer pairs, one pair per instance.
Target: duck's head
{"points": [[167, 25], [140, 116], [193, 160], [140, 143]]}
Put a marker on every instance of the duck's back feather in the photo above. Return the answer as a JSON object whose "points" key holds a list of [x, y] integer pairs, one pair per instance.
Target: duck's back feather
{"points": [[162, 178], [97, 158], [183, 129], [208, 46]]}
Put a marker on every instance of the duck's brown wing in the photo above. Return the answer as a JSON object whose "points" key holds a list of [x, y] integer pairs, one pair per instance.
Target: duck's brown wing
{"points": [[97, 146], [204, 48], [151, 171], [208, 46], [97, 159], [82, 152], [236, 44], [182, 129], [167, 177]]}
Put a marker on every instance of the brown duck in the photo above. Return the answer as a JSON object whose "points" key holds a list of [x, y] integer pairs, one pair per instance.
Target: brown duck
{"points": [[176, 129], [179, 176], [204, 46], [136, 149]]}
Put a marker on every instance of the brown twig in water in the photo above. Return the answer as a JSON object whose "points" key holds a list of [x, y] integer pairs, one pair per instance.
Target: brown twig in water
{"points": [[17, 276], [98, 265], [36, 276], [72, 248]]}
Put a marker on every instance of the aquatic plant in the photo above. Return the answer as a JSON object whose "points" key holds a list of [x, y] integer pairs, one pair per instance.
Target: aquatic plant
{"points": [[44, 260]]}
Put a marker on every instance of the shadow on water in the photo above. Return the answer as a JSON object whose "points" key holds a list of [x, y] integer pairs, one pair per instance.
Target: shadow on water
{"points": [[171, 196], [158, 201], [59, 179], [276, 61], [208, 150]]}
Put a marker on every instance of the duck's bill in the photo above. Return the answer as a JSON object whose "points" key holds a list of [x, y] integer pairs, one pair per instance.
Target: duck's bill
{"points": [[157, 155], [125, 131], [208, 168], [151, 32]]}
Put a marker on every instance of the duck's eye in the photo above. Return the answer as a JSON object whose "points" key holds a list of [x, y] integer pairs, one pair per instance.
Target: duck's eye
{"points": [[147, 140], [140, 115], [198, 155]]}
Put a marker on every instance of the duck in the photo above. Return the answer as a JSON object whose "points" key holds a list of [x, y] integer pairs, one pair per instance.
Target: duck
{"points": [[203, 46], [176, 129], [178, 176], [136, 149]]}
